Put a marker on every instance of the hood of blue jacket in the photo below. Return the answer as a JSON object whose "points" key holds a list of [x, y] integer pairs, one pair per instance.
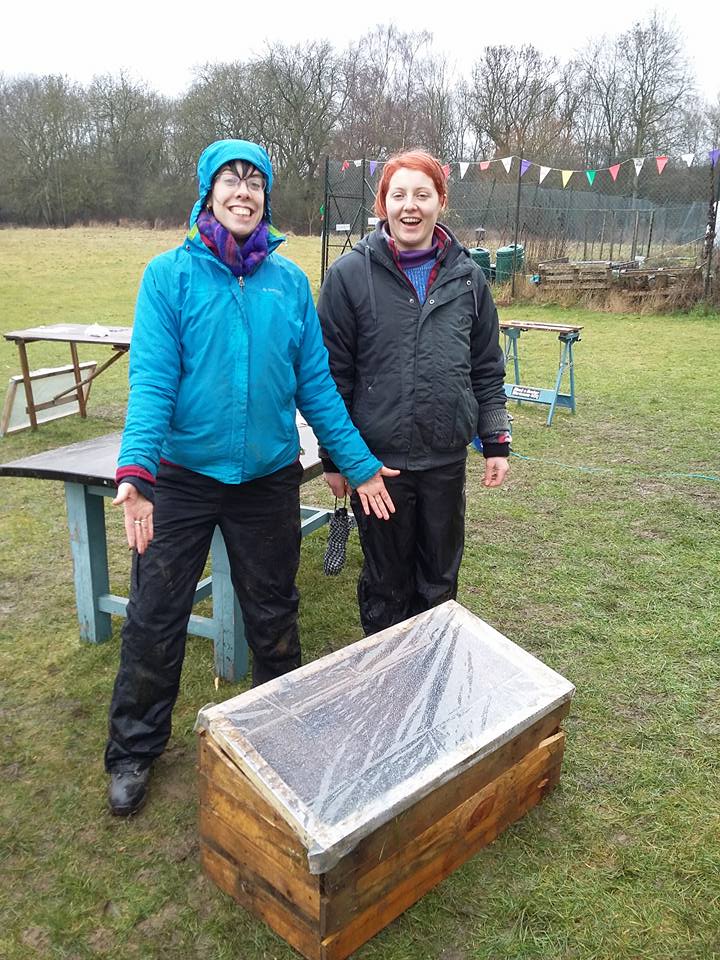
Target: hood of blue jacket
{"points": [[222, 152]]}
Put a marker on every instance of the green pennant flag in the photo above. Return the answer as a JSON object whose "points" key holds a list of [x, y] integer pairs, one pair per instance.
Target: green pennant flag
{"points": [[590, 174], [322, 208]]}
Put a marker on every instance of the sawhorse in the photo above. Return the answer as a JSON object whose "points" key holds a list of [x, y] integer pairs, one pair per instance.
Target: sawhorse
{"points": [[568, 334]]}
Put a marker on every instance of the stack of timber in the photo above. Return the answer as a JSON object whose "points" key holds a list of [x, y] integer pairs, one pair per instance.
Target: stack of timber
{"points": [[335, 797], [581, 276], [658, 281]]}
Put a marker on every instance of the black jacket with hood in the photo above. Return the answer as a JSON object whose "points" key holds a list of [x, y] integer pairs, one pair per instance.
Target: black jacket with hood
{"points": [[419, 380]]}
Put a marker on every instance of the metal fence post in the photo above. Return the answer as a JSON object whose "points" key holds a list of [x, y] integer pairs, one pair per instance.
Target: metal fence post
{"points": [[324, 235]]}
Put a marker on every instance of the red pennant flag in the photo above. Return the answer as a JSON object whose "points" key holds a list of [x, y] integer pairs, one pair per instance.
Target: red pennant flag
{"points": [[446, 169], [614, 170], [661, 161], [346, 164], [484, 164]]}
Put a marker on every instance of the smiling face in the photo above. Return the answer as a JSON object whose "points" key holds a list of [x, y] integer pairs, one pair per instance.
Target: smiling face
{"points": [[237, 198], [413, 207]]}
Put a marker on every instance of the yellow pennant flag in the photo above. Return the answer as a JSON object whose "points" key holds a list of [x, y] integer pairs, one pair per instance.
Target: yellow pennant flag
{"points": [[566, 174]]}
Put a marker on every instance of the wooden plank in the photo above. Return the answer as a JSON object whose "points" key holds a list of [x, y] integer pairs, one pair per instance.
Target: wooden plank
{"points": [[294, 886], [221, 771], [402, 829], [251, 893], [399, 883]]}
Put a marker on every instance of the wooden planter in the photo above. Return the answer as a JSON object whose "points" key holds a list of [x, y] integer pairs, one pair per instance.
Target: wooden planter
{"points": [[252, 849]]}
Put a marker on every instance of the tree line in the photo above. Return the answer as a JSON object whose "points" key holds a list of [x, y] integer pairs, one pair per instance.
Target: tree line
{"points": [[115, 149]]}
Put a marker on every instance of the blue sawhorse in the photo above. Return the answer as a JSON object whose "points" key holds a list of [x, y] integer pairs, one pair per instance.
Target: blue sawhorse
{"points": [[568, 334]]}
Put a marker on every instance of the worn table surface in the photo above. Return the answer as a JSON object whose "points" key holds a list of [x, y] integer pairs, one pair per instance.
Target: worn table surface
{"points": [[94, 462], [118, 337]]}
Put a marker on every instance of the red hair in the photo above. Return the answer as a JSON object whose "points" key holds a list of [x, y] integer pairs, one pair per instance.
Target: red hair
{"points": [[413, 160]]}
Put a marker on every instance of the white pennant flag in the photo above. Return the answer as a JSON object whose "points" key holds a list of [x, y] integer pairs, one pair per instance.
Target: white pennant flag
{"points": [[544, 171], [638, 161], [507, 163], [463, 169], [688, 158], [358, 163]]}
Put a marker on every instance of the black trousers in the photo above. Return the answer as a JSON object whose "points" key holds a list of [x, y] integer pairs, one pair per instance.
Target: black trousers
{"points": [[260, 522], [412, 560]]}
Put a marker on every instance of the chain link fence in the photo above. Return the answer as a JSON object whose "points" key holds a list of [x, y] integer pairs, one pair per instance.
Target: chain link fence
{"points": [[650, 214]]}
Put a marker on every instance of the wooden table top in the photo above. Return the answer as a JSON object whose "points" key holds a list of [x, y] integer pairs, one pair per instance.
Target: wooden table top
{"points": [[118, 337], [534, 325]]}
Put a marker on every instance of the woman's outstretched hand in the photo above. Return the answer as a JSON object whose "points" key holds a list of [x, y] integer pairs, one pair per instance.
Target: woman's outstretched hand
{"points": [[374, 495]]}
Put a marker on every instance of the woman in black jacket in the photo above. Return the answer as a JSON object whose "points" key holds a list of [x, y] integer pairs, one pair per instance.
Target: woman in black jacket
{"points": [[412, 333]]}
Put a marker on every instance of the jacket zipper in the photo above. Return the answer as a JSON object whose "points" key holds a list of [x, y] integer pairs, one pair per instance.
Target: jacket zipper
{"points": [[241, 281]]}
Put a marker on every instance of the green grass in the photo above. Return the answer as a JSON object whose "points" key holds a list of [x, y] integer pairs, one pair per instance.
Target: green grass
{"points": [[600, 555]]}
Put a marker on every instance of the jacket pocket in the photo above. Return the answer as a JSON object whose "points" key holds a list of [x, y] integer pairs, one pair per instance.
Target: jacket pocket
{"points": [[465, 420]]}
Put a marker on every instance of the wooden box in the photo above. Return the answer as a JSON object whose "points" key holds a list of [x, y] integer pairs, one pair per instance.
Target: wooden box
{"points": [[334, 798]]}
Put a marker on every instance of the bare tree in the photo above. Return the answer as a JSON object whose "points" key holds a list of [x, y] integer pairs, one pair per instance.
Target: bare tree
{"points": [[518, 100]]}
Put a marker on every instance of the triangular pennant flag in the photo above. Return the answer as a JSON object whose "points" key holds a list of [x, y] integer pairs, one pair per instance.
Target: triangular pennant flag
{"points": [[507, 163], [614, 170], [566, 174], [688, 158], [345, 165], [714, 154], [661, 161], [590, 174], [544, 171], [463, 169], [484, 164], [446, 169], [638, 161], [322, 208], [524, 164], [373, 165], [358, 163]]}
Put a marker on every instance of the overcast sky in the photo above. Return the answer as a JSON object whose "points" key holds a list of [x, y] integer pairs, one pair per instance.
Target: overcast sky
{"points": [[160, 42]]}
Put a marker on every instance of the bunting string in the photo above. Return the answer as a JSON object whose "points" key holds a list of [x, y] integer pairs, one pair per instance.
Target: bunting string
{"points": [[661, 162]]}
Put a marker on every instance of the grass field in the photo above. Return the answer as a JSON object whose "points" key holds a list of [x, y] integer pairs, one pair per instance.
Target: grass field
{"points": [[601, 555]]}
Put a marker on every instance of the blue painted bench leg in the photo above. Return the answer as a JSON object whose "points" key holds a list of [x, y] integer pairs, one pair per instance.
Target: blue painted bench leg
{"points": [[231, 652], [86, 521]]}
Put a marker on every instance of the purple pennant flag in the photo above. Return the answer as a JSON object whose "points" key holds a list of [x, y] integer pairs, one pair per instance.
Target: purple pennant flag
{"points": [[524, 164], [373, 165], [714, 154]]}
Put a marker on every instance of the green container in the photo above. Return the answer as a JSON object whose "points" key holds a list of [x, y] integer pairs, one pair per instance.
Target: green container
{"points": [[508, 258], [481, 257]]}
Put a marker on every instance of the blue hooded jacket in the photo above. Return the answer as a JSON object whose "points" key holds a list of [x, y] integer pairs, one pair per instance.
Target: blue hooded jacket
{"points": [[218, 367]]}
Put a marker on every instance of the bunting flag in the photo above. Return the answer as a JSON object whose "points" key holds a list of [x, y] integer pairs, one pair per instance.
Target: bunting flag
{"points": [[544, 171], [524, 164], [661, 161], [463, 168], [446, 170], [688, 158], [638, 161], [484, 164], [358, 163], [322, 208], [614, 170], [566, 174], [714, 154], [507, 163], [345, 165], [373, 165], [590, 174]]}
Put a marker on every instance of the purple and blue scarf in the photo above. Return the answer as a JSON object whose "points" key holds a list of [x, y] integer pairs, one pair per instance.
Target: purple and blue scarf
{"points": [[242, 258]]}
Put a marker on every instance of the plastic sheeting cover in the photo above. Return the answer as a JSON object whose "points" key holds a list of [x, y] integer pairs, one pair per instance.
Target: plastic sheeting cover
{"points": [[342, 745]]}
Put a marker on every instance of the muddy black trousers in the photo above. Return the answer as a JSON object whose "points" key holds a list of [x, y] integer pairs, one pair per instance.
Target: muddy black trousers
{"points": [[411, 561], [260, 523]]}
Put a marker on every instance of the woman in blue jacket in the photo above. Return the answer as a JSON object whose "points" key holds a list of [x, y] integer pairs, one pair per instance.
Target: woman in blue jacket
{"points": [[226, 347]]}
